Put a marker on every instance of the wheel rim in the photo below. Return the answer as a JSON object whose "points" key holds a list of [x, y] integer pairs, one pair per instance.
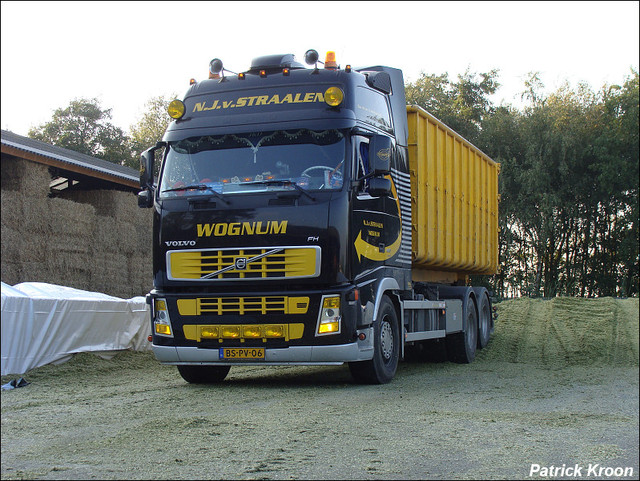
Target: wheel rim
{"points": [[472, 331], [484, 322], [386, 340]]}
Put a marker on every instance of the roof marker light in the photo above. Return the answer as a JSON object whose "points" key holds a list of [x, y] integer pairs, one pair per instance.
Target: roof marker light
{"points": [[263, 73]]}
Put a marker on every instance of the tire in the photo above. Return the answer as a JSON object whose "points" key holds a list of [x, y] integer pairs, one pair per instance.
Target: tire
{"points": [[386, 350], [484, 320], [203, 374], [461, 347]]}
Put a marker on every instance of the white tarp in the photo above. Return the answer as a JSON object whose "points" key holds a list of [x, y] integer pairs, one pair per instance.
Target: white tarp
{"points": [[45, 323]]}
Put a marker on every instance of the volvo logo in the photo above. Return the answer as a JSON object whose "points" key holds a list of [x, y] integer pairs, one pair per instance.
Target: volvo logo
{"points": [[241, 263], [180, 243]]}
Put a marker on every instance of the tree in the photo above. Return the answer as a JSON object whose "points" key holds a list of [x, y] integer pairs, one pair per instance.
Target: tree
{"points": [[461, 105], [569, 186], [152, 125], [84, 127], [149, 130]]}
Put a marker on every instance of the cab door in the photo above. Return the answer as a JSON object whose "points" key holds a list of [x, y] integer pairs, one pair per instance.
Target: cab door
{"points": [[375, 232]]}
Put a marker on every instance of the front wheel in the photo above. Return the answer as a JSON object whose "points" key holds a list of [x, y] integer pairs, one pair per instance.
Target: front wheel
{"points": [[386, 348], [203, 374]]}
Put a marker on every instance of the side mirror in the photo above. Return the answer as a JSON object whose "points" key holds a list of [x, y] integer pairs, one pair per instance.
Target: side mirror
{"points": [[145, 199], [380, 149], [379, 81], [147, 159], [379, 187]]}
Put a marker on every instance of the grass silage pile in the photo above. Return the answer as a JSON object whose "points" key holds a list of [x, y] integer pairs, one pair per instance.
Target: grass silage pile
{"points": [[566, 331]]}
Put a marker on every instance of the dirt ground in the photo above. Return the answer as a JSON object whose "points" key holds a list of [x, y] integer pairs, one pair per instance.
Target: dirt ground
{"points": [[557, 385]]}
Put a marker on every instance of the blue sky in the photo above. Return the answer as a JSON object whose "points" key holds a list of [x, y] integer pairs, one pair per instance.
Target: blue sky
{"points": [[124, 53]]}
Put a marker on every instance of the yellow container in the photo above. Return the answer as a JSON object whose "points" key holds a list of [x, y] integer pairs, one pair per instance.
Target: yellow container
{"points": [[454, 201]]}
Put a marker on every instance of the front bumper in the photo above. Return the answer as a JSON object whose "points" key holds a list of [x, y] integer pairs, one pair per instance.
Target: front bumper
{"points": [[292, 355]]}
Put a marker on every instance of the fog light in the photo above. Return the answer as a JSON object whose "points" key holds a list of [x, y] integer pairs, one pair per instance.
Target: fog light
{"points": [[328, 327], [163, 329], [209, 332], [230, 332], [252, 331], [274, 331]]}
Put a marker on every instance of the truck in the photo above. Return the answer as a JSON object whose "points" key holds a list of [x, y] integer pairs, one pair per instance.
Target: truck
{"points": [[305, 215]]}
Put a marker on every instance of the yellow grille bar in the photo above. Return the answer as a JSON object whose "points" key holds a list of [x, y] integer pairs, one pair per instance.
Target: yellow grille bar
{"points": [[253, 263], [286, 332], [243, 305]]}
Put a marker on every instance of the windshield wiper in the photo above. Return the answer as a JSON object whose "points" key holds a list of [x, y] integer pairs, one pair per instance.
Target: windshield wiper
{"points": [[282, 182], [199, 187]]}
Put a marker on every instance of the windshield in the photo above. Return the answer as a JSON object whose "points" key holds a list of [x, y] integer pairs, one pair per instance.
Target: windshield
{"points": [[254, 162]]}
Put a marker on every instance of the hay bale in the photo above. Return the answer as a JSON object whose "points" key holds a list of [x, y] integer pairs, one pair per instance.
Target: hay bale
{"points": [[70, 244], [128, 237], [10, 272], [31, 271], [36, 180], [21, 175], [30, 247], [140, 274], [144, 233], [72, 218], [126, 203], [36, 216], [12, 245], [112, 203], [110, 273], [105, 235], [71, 268], [11, 209]]}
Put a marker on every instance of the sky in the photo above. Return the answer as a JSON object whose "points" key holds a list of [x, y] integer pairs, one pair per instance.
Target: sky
{"points": [[125, 53]]}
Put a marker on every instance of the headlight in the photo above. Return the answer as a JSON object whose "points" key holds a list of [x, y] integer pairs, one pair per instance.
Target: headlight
{"points": [[329, 321], [161, 321]]}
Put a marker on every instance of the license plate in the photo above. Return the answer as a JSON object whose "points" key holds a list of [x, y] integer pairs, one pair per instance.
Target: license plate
{"points": [[241, 353]]}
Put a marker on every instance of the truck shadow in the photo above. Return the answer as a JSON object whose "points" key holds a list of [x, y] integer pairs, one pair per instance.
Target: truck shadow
{"points": [[316, 376]]}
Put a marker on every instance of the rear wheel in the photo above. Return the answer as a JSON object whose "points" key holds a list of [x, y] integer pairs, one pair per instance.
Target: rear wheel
{"points": [[203, 374], [484, 320], [386, 349], [461, 347]]}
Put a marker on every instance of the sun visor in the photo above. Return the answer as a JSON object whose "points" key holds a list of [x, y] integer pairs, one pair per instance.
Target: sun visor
{"points": [[276, 108], [256, 122]]}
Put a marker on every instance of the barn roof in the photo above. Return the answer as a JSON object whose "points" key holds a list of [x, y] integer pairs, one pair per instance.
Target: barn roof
{"points": [[68, 161]]}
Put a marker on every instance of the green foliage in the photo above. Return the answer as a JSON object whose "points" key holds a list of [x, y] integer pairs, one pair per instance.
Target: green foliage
{"points": [[462, 105], [84, 127], [569, 186], [149, 130], [152, 125]]}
